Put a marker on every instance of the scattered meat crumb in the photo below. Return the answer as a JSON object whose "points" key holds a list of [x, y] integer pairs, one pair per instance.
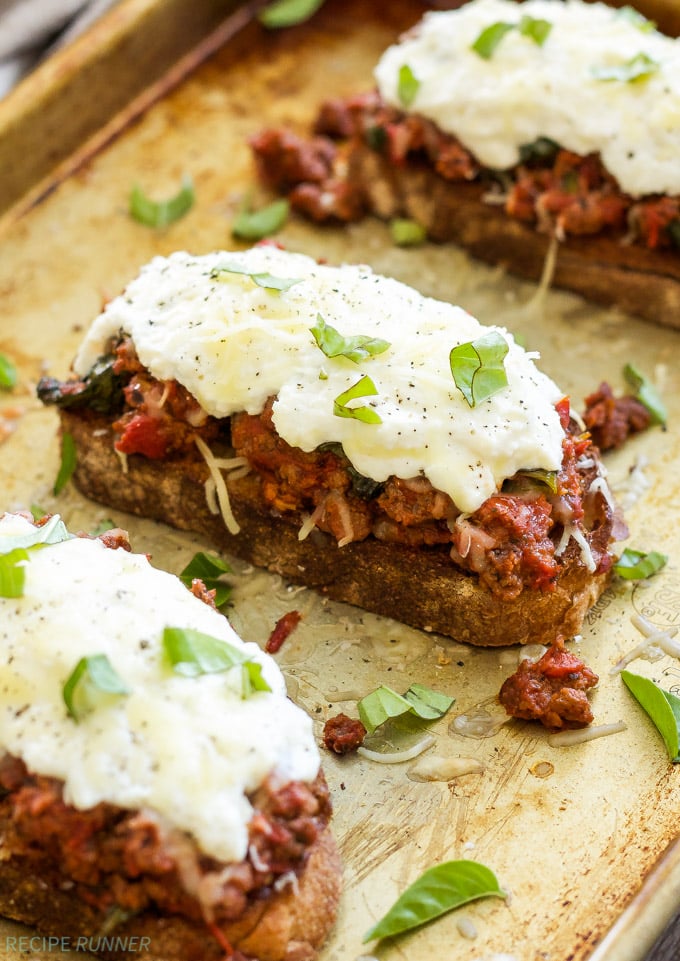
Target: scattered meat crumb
{"points": [[282, 631], [343, 734]]}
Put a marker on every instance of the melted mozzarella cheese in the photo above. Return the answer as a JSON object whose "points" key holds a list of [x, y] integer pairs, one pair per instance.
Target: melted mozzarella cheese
{"points": [[188, 749], [524, 90], [233, 344]]}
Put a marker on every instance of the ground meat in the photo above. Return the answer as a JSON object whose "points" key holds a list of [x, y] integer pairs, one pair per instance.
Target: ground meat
{"points": [[285, 160], [343, 734], [552, 690], [199, 590], [611, 420], [118, 858], [116, 538]]}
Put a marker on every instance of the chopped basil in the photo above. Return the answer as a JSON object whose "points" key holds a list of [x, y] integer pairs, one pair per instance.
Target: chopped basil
{"points": [[68, 463], [384, 703], [257, 224], [408, 85], [52, 531], [662, 707], [192, 653], [478, 367], [93, 683], [8, 373], [439, 890], [407, 233], [490, 37], [287, 13], [639, 67], [209, 569], [547, 477], [535, 28], [365, 487], [376, 138], [102, 527], [101, 389], [356, 348], [637, 19], [541, 149], [363, 388], [153, 213], [12, 572], [646, 393], [636, 565], [268, 281]]}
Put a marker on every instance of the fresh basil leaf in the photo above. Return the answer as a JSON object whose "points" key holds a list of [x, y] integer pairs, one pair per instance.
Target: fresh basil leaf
{"points": [[68, 463], [356, 347], [52, 531], [542, 148], [12, 572], [268, 281], [153, 213], [547, 477], [439, 890], [646, 393], [637, 19], [101, 389], [478, 367], [209, 569], [192, 653], [639, 67], [8, 373], [92, 684], [287, 13], [384, 703], [407, 233], [536, 29], [363, 388], [37, 511], [662, 707], [490, 37], [636, 565], [408, 85], [257, 224]]}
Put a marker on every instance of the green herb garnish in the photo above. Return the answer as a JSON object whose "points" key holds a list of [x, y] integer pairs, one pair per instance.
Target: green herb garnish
{"points": [[257, 224], [637, 19], [639, 67], [531, 27], [363, 388], [636, 565], [662, 707], [384, 703], [407, 233], [8, 373], [268, 281], [12, 572], [52, 531], [288, 13], [439, 890], [646, 393], [101, 389], [356, 347], [209, 569], [68, 463], [490, 37], [408, 85], [161, 213], [543, 148], [477, 367], [547, 477], [92, 684], [192, 653]]}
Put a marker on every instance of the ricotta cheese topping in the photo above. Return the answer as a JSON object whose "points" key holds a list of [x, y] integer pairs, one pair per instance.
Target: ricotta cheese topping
{"points": [[186, 748], [233, 344], [525, 90]]}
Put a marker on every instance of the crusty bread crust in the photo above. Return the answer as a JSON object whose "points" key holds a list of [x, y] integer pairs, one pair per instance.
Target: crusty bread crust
{"points": [[418, 586], [292, 925], [602, 268]]}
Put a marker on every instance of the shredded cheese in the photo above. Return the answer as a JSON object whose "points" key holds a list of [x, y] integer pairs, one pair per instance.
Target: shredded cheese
{"points": [[567, 738], [221, 490]]}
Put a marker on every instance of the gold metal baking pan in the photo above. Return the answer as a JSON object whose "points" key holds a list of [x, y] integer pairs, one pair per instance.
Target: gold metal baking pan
{"points": [[582, 838]]}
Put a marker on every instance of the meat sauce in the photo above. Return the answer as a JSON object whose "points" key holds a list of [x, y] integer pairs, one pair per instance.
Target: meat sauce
{"points": [[559, 191]]}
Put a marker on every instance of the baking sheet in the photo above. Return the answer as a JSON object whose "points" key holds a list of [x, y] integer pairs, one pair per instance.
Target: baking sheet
{"points": [[571, 833]]}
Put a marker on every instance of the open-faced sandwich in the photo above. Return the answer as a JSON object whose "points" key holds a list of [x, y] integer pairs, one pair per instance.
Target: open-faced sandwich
{"points": [[501, 126], [339, 428], [160, 794]]}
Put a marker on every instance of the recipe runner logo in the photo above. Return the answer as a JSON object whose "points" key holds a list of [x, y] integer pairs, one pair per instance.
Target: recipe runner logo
{"points": [[37, 944]]}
